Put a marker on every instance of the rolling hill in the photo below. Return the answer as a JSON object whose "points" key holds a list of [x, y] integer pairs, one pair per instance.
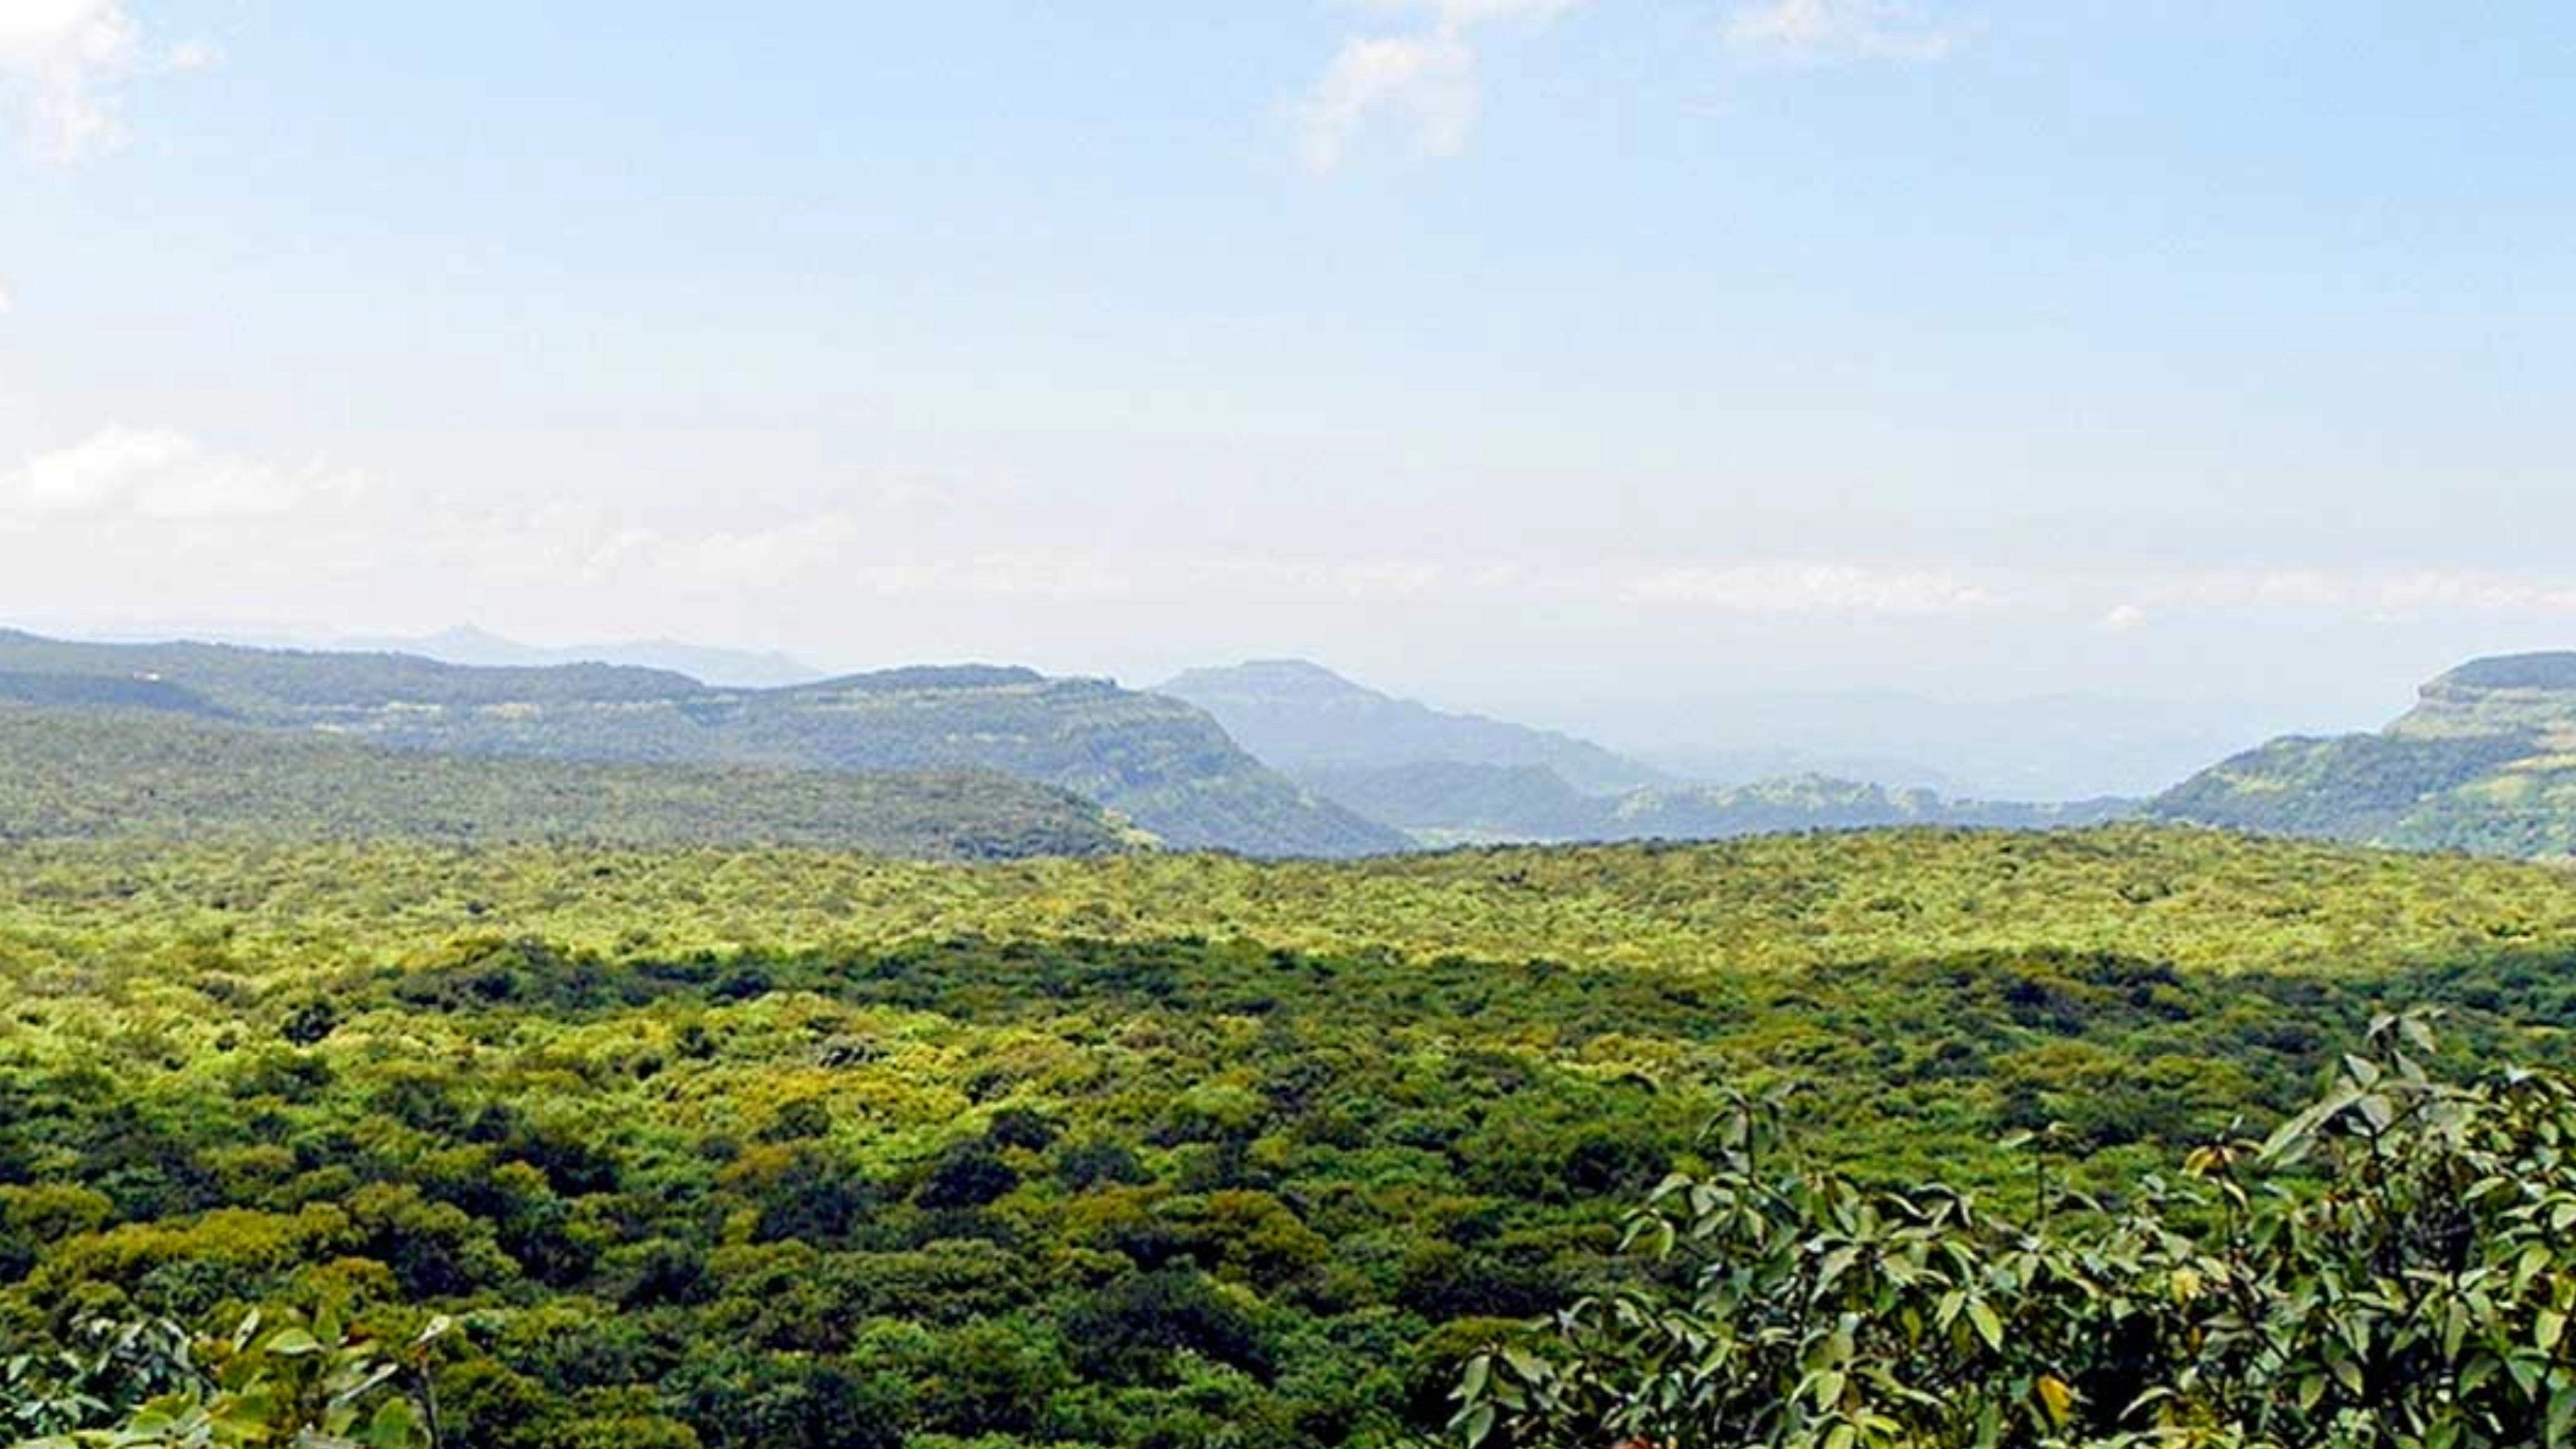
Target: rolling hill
{"points": [[1818, 802], [1159, 762], [1446, 803], [2485, 762], [117, 773]]}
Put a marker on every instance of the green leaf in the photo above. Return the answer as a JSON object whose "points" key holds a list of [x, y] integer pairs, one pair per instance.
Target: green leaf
{"points": [[2561, 1417], [1988, 1326], [394, 1425]]}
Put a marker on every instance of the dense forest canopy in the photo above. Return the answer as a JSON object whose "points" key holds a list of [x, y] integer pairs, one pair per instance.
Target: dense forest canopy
{"points": [[781, 1147]]}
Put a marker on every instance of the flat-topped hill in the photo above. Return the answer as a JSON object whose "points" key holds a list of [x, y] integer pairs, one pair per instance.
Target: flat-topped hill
{"points": [[1161, 763], [2484, 762]]}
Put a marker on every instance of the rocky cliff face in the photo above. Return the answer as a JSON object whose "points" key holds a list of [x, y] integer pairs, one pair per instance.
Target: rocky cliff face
{"points": [[2518, 694]]}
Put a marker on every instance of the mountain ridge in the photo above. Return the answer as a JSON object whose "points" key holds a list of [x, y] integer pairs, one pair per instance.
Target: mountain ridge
{"points": [[711, 664], [1163, 764], [1297, 714], [2484, 762], [1499, 782], [91, 773]]}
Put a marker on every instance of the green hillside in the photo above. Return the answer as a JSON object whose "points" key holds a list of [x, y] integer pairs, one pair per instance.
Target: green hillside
{"points": [[1814, 802], [782, 1148], [1443, 803], [2485, 762], [1450, 802], [1155, 760], [86, 773]]}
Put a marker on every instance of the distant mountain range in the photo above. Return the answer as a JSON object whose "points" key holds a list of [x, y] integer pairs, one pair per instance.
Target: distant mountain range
{"points": [[1445, 778], [2485, 762], [730, 668], [1303, 717], [2043, 747], [977, 760], [1157, 761]]}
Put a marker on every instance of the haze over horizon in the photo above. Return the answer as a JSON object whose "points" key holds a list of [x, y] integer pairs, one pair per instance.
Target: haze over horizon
{"points": [[1589, 364]]}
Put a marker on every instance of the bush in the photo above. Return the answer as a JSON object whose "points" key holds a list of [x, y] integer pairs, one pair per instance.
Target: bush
{"points": [[2391, 1268]]}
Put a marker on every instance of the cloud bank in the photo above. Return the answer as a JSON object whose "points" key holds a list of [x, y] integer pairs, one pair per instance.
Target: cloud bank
{"points": [[157, 474]]}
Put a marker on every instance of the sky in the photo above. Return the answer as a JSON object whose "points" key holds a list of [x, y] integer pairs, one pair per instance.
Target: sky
{"points": [[1597, 362]]}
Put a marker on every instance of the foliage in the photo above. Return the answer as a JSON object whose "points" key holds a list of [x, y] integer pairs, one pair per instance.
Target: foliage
{"points": [[782, 1147], [310, 1385], [2390, 1268]]}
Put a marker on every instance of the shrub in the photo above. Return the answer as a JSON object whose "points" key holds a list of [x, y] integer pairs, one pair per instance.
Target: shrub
{"points": [[2391, 1268]]}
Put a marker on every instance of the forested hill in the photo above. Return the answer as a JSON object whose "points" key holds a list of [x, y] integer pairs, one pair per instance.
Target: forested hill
{"points": [[1444, 803], [105, 773], [2485, 762], [1161, 763]]}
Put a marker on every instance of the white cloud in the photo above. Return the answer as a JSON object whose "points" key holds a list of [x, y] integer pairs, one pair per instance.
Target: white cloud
{"points": [[2380, 593], [156, 474], [1428, 80], [64, 65], [2122, 619], [1424, 81], [1812, 588], [1839, 30]]}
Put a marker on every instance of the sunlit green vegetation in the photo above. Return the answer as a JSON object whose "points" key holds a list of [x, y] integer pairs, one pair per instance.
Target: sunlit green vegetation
{"points": [[784, 1147], [130, 773]]}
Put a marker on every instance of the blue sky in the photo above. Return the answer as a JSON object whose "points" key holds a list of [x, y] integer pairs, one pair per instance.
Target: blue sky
{"points": [[1592, 360]]}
